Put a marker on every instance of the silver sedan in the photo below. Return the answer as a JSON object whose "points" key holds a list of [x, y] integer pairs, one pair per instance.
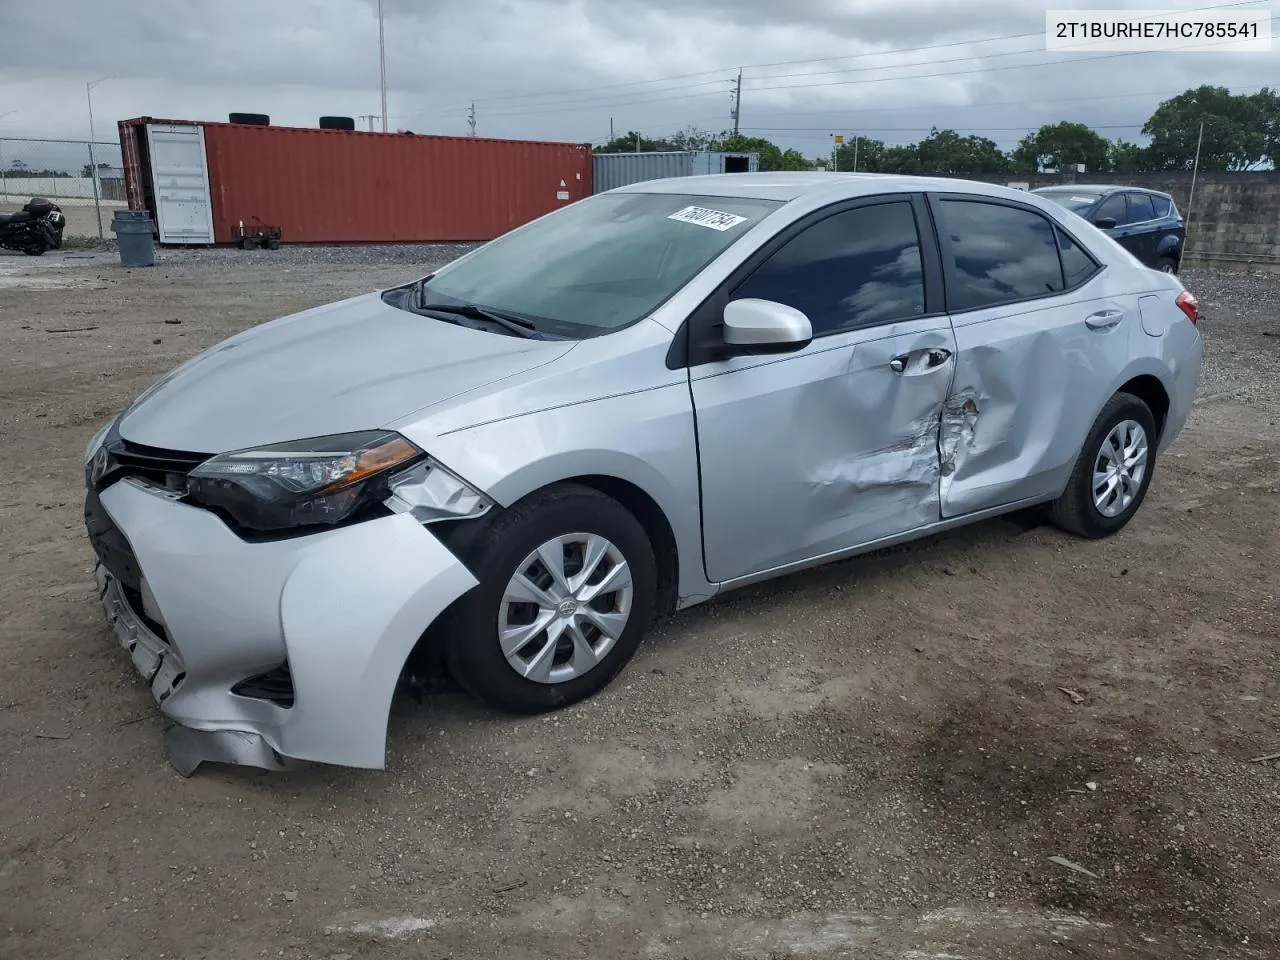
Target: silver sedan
{"points": [[503, 471]]}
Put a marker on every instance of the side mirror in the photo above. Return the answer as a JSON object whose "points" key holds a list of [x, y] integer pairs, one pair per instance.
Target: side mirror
{"points": [[1105, 223], [763, 326]]}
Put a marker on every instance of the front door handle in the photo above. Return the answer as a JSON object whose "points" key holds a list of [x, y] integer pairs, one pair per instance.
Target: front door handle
{"points": [[924, 360], [1103, 319]]}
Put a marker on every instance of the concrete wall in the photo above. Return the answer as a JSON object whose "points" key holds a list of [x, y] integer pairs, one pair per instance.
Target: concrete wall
{"points": [[1235, 220]]}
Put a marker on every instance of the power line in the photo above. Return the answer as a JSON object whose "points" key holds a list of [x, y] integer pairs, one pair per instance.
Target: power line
{"points": [[784, 63]]}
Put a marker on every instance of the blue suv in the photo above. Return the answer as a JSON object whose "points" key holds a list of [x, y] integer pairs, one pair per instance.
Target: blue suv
{"points": [[1145, 222]]}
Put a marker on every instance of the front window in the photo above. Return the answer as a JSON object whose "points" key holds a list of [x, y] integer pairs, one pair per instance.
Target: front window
{"points": [[600, 264]]}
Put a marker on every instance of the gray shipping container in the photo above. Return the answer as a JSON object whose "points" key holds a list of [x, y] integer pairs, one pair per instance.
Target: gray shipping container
{"points": [[612, 170]]}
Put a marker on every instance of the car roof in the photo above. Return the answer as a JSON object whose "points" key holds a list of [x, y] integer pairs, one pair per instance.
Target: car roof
{"points": [[1101, 189], [784, 186]]}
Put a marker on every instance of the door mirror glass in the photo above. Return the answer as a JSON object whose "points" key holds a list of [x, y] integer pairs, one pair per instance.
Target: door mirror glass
{"points": [[1105, 223], [763, 326]]}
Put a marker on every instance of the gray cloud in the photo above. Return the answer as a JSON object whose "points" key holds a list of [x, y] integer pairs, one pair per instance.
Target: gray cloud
{"points": [[563, 70]]}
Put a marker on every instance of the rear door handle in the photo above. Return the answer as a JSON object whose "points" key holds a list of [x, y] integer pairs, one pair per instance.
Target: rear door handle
{"points": [[920, 361], [1103, 319]]}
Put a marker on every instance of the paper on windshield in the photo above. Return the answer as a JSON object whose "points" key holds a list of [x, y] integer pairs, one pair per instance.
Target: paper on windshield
{"points": [[706, 217]]}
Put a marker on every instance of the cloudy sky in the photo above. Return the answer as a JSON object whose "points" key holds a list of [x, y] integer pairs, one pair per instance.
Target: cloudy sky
{"points": [[569, 69]]}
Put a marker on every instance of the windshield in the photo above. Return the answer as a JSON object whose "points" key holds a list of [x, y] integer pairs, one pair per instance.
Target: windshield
{"points": [[1074, 201], [600, 264]]}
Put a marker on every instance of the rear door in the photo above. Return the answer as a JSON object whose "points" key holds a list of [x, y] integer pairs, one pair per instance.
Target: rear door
{"points": [[1143, 227], [1038, 346]]}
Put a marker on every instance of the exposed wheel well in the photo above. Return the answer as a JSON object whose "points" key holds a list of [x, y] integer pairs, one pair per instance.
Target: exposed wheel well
{"points": [[1150, 391], [655, 524]]}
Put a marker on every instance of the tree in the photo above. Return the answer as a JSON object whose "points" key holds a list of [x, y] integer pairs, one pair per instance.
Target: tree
{"points": [[87, 171], [630, 142], [772, 157], [693, 138], [863, 154], [1057, 146], [1267, 102], [947, 153], [1236, 131], [1125, 157]]}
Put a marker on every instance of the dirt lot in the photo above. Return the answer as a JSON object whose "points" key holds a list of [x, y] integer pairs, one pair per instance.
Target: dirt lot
{"points": [[871, 761]]}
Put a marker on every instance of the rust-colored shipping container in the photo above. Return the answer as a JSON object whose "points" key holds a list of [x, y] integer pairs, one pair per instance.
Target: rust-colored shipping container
{"points": [[341, 186]]}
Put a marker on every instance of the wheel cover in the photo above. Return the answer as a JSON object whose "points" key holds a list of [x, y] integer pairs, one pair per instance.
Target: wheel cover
{"points": [[1119, 468], [1166, 267], [565, 607]]}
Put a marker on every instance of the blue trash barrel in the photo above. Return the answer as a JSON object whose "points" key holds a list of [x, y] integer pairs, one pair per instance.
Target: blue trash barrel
{"points": [[134, 237]]}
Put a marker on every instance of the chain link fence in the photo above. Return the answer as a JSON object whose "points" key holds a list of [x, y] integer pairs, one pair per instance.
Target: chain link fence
{"points": [[86, 179]]}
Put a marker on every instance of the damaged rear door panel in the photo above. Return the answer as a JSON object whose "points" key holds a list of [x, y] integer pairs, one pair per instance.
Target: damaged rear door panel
{"points": [[852, 419], [1039, 337]]}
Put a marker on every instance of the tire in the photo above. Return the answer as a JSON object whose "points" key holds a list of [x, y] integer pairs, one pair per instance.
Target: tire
{"points": [[273, 244], [1168, 265], [250, 119], [1077, 510], [473, 651], [249, 243]]}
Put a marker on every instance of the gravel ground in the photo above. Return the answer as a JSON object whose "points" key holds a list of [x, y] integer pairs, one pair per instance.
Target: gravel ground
{"points": [[873, 760]]}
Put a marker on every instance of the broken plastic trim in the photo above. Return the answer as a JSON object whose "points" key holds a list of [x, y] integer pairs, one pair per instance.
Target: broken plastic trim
{"points": [[430, 493]]}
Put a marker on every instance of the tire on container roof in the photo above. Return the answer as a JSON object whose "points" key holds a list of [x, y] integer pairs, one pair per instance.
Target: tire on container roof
{"points": [[252, 119], [337, 123]]}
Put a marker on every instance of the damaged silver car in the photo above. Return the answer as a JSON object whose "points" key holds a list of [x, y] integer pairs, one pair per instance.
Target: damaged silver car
{"points": [[626, 407]]}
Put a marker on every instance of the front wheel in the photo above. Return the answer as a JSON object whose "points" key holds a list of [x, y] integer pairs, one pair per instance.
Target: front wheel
{"points": [[1112, 473], [567, 584]]}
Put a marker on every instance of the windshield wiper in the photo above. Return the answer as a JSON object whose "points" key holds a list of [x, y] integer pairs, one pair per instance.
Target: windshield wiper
{"points": [[517, 325]]}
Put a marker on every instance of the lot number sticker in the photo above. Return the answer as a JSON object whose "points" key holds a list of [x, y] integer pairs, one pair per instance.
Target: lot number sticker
{"points": [[703, 217]]}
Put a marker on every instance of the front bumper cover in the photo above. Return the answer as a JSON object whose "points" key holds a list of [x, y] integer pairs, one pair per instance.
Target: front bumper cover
{"points": [[343, 609]]}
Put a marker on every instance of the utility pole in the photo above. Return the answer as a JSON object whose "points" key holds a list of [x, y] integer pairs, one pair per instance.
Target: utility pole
{"points": [[637, 142], [611, 129], [93, 161], [368, 118], [1191, 198], [737, 101], [471, 118], [382, 65]]}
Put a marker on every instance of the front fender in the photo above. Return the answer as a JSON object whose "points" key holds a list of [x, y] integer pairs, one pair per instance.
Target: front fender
{"points": [[645, 438]]}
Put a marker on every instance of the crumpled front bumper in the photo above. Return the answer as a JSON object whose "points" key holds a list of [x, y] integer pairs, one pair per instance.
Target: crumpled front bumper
{"points": [[200, 611]]}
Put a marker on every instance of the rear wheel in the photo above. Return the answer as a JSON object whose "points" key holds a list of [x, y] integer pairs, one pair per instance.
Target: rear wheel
{"points": [[567, 584], [1112, 473], [1168, 265]]}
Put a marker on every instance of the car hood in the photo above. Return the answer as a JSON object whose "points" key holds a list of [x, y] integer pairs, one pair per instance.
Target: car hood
{"points": [[353, 365]]}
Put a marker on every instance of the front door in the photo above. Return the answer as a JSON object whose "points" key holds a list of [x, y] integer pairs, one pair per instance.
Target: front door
{"points": [[836, 445]]}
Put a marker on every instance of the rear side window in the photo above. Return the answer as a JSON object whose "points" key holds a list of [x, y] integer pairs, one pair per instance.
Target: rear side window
{"points": [[1077, 265], [1140, 208], [858, 268], [1163, 206], [999, 254]]}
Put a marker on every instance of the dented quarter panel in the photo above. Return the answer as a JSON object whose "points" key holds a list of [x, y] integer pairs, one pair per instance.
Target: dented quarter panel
{"points": [[818, 451], [1029, 381]]}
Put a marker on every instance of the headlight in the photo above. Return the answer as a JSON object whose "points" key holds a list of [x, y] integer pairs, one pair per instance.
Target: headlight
{"points": [[96, 441], [322, 481]]}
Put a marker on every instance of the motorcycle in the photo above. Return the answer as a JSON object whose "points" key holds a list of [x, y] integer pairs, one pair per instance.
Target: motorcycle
{"points": [[35, 228]]}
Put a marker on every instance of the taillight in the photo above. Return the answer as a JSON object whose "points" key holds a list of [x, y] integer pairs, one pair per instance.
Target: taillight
{"points": [[1189, 305]]}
